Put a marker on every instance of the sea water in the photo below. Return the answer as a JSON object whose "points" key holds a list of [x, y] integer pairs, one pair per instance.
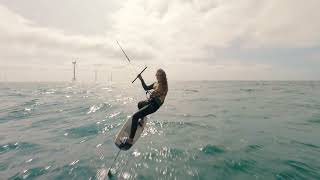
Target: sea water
{"points": [[204, 130]]}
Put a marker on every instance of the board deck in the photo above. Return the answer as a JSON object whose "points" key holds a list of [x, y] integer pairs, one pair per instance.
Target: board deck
{"points": [[125, 132]]}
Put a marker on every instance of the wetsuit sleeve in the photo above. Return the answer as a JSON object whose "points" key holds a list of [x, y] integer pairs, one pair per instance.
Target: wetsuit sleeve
{"points": [[145, 87]]}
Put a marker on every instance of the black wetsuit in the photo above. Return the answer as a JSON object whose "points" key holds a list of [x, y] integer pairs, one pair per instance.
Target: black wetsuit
{"points": [[146, 107]]}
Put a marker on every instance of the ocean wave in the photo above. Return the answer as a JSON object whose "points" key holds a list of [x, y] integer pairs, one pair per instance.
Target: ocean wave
{"points": [[69, 171], [299, 170], [30, 173], [18, 146], [110, 126], [231, 166], [315, 119], [253, 147], [82, 131], [113, 115], [309, 145], [99, 107], [164, 153], [80, 170], [212, 149], [209, 115], [288, 175], [16, 113], [181, 124], [3, 165]]}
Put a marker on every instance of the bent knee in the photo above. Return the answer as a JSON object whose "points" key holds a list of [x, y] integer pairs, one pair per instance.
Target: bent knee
{"points": [[141, 104], [135, 117]]}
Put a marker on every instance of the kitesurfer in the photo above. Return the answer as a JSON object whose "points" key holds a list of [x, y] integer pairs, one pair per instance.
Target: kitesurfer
{"points": [[149, 106]]}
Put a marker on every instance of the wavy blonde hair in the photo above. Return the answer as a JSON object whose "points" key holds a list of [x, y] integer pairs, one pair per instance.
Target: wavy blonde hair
{"points": [[162, 88]]}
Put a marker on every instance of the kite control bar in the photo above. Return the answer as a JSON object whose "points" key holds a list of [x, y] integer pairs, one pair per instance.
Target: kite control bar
{"points": [[139, 74]]}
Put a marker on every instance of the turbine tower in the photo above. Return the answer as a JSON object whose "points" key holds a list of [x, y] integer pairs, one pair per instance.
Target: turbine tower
{"points": [[95, 75], [74, 70]]}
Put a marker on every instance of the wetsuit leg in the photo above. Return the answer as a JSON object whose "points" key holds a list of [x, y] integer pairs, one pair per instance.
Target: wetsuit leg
{"points": [[141, 104], [144, 111]]}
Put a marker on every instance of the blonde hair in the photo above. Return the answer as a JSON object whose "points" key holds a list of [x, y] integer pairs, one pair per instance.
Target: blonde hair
{"points": [[162, 86]]}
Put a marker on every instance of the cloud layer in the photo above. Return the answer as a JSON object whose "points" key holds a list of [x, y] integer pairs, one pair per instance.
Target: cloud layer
{"points": [[178, 35], [187, 28]]}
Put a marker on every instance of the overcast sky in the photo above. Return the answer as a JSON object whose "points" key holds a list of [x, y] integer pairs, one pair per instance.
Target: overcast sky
{"points": [[189, 39]]}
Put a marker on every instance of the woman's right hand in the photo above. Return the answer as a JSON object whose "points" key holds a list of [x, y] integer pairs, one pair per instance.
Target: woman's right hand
{"points": [[139, 76]]}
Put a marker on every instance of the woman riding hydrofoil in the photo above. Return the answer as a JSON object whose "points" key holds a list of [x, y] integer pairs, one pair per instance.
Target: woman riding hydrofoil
{"points": [[149, 106]]}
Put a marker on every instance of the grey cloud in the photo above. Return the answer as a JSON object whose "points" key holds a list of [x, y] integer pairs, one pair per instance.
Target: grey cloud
{"points": [[73, 16], [167, 32]]}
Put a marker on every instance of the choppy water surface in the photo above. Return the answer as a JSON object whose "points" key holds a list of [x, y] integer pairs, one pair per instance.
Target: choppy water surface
{"points": [[205, 130]]}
